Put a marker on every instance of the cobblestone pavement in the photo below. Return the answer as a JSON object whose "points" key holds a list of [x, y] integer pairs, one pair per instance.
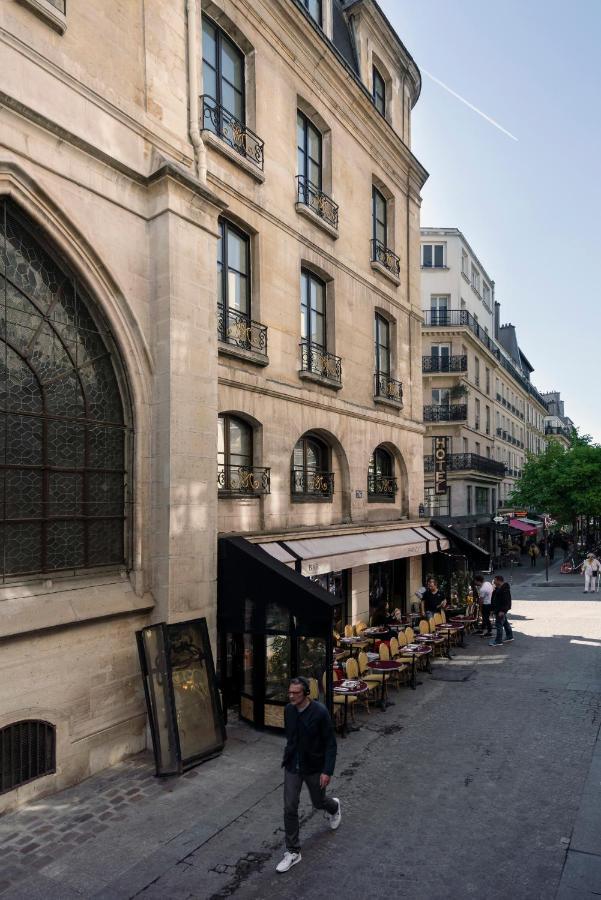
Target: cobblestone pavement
{"points": [[468, 787]]}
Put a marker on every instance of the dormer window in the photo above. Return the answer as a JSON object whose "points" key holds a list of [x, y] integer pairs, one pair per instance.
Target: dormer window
{"points": [[378, 92], [314, 8]]}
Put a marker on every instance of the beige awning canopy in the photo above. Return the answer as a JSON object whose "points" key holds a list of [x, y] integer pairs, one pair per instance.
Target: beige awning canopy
{"points": [[318, 555]]}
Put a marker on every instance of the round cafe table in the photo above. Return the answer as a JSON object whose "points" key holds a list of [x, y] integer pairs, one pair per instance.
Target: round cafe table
{"points": [[385, 667], [420, 651], [346, 692]]}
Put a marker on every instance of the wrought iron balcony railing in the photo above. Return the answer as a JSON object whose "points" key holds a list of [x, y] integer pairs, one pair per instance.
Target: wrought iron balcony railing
{"points": [[387, 388], [307, 484], [382, 487], [242, 139], [322, 205], [459, 462], [234, 327], [444, 363], [450, 412], [386, 257], [242, 481], [559, 429], [455, 317], [318, 361]]}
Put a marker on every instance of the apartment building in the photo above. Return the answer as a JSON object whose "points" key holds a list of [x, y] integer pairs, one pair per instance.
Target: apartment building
{"points": [[210, 262], [558, 426], [477, 388]]}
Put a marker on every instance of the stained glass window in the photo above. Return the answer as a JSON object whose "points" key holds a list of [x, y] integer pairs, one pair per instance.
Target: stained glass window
{"points": [[62, 427]]}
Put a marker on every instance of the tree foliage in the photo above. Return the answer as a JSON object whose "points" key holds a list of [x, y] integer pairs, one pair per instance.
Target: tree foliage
{"points": [[564, 482]]}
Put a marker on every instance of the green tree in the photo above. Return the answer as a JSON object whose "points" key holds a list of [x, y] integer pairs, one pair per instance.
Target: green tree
{"points": [[565, 482]]}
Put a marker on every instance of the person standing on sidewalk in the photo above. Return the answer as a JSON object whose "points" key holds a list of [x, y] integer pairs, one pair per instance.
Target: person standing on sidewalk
{"points": [[533, 552], [590, 569], [309, 757], [501, 604], [433, 599], [485, 590]]}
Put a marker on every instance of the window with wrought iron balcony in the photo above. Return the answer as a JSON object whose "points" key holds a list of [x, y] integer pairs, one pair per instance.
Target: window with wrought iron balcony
{"points": [[387, 390], [236, 474], [311, 199], [310, 478], [316, 363], [383, 259], [223, 104], [381, 481], [238, 334], [443, 362]]}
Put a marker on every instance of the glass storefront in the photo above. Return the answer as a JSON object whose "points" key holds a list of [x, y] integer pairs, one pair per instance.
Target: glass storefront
{"points": [[388, 586], [337, 584]]}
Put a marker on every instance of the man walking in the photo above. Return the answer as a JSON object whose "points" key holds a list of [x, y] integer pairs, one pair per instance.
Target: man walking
{"points": [[501, 604], [309, 756], [485, 590], [590, 569]]}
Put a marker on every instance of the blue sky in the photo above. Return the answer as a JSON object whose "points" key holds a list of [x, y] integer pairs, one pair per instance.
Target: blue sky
{"points": [[531, 209]]}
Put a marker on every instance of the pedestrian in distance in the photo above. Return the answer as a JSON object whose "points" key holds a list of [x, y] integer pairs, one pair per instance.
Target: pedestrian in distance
{"points": [[533, 552], [485, 590], [501, 604], [590, 569], [309, 757]]}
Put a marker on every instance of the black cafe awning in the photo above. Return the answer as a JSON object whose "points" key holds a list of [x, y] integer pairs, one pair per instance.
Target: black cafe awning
{"points": [[479, 556], [248, 577]]}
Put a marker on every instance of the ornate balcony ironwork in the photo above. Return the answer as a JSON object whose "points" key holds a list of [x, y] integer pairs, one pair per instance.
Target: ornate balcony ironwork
{"points": [[459, 462], [388, 388], [382, 487], [448, 412], [318, 361], [386, 257], [234, 327], [321, 204], [306, 484], [243, 481], [444, 363], [242, 139]]}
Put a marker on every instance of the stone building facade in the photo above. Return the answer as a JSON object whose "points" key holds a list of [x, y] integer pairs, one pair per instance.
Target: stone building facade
{"points": [[178, 183], [477, 387]]}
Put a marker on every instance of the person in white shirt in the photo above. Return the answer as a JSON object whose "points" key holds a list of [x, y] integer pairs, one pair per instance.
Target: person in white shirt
{"points": [[591, 568], [485, 590]]}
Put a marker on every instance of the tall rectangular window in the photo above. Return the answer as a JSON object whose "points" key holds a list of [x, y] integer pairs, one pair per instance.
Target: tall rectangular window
{"points": [[488, 419], [477, 371], [469, 499], [439, 305], [308, 150], [464, 264], [482, 500], [313, 309], [314, 9], [233, 269], [379, 217], [441, 396], [477, 422], [382, 345], [223, 74], [378, 91]]}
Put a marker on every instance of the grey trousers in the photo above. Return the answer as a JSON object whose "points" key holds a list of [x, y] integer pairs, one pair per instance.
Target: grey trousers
{"points": [[293, 783]]}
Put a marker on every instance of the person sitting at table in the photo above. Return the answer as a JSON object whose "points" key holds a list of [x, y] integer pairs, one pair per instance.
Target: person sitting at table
{"points": [[380, 619], [432, 599]]}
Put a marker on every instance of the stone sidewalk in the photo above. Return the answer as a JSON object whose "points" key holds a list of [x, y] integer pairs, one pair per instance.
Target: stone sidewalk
{"points": [[483, 783]]}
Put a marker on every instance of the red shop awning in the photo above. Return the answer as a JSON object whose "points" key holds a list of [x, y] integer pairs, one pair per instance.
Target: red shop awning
{"points": [[522, 526]]}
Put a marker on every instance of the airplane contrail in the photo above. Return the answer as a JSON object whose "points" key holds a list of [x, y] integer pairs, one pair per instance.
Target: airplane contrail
{"points": [[470, 105]]}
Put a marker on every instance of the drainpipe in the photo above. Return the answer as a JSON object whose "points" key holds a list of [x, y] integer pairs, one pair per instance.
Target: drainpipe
{"points": [[200, 151]]}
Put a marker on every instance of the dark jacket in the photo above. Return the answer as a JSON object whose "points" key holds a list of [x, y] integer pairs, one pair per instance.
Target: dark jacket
{"points": [[311, 735], [501, 598], [433, 601]]}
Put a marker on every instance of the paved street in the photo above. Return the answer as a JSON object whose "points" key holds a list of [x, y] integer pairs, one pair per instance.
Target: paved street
{"points": [[470, 787]]}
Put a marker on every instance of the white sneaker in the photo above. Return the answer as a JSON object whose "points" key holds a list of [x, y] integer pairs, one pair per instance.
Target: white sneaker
{"points": [[335, 817], [289, 860]]}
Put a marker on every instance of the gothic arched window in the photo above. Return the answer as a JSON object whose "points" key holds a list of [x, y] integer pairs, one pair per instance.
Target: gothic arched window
{"points": [[62, 427]]}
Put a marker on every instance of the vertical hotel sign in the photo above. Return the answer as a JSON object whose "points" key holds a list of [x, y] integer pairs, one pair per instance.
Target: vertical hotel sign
{"points": [[440, 464]]}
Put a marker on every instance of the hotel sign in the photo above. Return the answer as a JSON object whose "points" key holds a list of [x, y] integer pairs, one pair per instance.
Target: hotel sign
{"points": [[440, 464]]}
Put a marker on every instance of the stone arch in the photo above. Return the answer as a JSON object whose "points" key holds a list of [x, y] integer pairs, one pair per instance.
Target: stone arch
{"points": [[400, 470], [63, 242], [336, 448]]}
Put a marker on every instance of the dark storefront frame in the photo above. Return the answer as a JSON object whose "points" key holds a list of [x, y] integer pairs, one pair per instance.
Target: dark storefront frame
{"points": [[260, 599]]}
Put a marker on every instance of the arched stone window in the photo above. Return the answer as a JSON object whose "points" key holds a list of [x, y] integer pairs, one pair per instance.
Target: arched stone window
{"points": [[27, 751], [311, 478], [62, 426], [381, 481]]}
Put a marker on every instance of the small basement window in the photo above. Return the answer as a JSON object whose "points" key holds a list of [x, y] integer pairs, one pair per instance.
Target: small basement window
{"points": [[27, 751]]}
